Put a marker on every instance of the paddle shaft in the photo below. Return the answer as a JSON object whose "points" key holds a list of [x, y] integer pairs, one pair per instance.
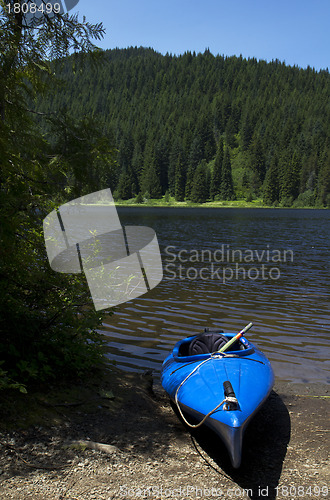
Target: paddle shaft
{"points": [[237, 337]]}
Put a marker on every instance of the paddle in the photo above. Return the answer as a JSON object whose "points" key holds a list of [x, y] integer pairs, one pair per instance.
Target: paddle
{"points": [[237, 337]]}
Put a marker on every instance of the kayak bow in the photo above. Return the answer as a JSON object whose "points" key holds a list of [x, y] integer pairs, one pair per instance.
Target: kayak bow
{"points": [[220, 388]]}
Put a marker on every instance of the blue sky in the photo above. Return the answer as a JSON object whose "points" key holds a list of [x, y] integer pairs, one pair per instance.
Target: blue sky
{"points": [[294, 31]]}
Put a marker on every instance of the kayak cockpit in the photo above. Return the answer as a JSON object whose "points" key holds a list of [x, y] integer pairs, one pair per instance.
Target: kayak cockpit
{"points": [[199, 347]]}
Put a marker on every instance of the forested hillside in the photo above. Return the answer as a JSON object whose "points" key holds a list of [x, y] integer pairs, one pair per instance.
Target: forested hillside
{"points": [[201, 127]]}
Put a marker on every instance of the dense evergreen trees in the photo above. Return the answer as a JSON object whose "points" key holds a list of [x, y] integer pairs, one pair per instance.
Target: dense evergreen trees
{"points": [[168, 114], [227, 189], [271, 187], [215, 190], [179, 180], [199, 191], [48, 328]]}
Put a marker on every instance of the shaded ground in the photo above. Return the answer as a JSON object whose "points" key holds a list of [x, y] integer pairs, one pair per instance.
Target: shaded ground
{"points": [[152, 455]]}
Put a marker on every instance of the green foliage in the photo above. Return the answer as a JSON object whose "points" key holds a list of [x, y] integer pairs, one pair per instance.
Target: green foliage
{"points": [[139, 198], [146, 197], [271, 186], [306, 199], [246, 131], [126, 186], [258, 160], [200, 188], [48, 326], [289, 174], [190, 180], [167, 197], [227, 189], [151, 182], [215, 189], [179, 180], [161, 107], [324, 180], [7, 383], [327, 201]]}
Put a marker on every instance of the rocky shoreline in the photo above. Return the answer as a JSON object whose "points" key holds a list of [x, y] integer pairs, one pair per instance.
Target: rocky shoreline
{"points": [[121, 439]]}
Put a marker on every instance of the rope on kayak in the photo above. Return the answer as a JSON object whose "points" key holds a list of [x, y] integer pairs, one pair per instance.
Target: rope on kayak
{"points": [[227, 399], [213, 355], [219, 355]]}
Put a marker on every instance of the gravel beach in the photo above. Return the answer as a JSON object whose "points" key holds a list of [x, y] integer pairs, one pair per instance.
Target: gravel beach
{"points": [[120, 439]]}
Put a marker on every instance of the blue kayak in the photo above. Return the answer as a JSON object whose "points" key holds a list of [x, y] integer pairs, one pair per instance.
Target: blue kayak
{"points": [[221, 389]]}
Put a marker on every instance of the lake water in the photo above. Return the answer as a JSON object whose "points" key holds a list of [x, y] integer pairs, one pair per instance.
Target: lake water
{"points": [[225, 268]]}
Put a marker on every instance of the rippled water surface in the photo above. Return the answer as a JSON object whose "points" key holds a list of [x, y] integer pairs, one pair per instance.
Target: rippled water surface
{"points": [[225, 268]]}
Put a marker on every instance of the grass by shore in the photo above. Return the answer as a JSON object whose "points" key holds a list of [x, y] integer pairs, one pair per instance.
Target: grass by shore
{"points": [[240, 203], [188, 204], [170, 202]]}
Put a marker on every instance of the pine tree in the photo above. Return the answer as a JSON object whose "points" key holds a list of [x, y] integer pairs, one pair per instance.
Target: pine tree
{"points": [[246, 131], [126, 186], [195, 157], [230, 132], [176, 151], [151, 181], [289, 177], [179, 180], [162, 160], [199, 192], [258, 159], [295, 168], [227, 189], [190, 181], [126, 148], [271, 185], [217, 107], [324, 180], [137, 160], [205, 134], [215, 189]]}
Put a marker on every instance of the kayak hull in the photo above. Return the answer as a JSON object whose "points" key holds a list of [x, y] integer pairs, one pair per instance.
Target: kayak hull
{"points": [[250, 374]]}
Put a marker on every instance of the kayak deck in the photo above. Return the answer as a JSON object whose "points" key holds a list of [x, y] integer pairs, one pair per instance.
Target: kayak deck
{"points": [[197, 384]]}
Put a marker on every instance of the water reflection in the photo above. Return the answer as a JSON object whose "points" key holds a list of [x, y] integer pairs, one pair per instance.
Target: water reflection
{"points": [[291, 313]]}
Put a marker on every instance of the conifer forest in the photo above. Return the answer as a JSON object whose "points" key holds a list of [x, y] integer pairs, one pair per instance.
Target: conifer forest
{"points": [[200, 127]]}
